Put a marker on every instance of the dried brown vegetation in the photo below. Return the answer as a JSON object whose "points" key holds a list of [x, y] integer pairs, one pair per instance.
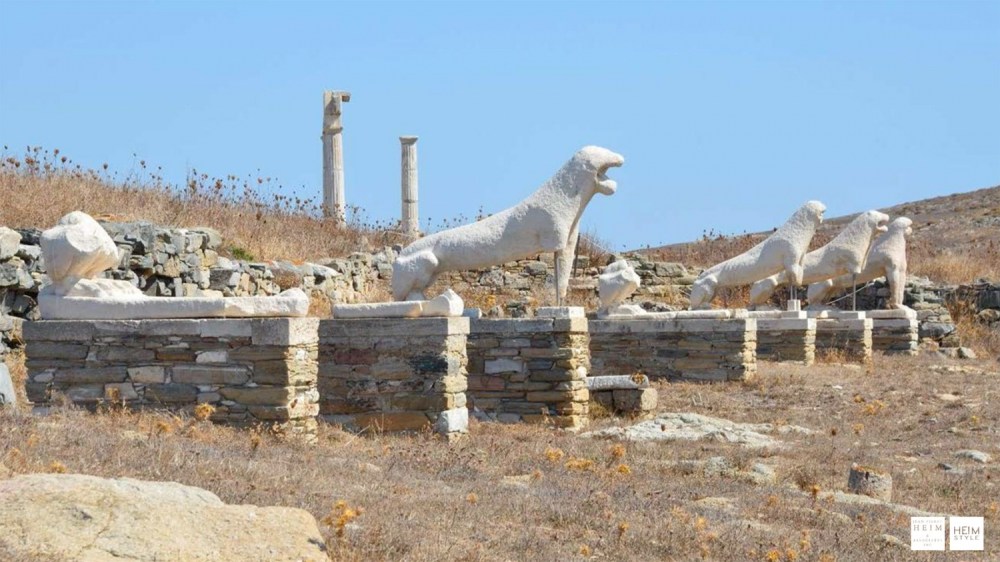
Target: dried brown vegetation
{"points": [[255, 216], [956, 238], [523, 492]]}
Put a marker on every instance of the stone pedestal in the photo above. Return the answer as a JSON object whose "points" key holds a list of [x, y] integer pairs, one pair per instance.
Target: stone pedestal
{"points": [[895, 332], [785, 336], [844, 333], [628, 395], [530, 369], [394, 374], [250, 370], [680, 348]]}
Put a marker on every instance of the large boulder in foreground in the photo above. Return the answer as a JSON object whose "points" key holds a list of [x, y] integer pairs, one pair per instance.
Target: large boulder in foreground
{"points": [[80, 517]]}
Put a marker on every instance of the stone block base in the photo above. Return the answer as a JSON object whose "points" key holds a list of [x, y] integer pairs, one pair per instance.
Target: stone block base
{"points": [[850, 338], [895, 332], [678, 349], [786, 336], [530, 369], [394, 374], [250, 371]]}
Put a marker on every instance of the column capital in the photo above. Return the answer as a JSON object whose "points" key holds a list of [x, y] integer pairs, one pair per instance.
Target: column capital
{"points": [[408, 139]]}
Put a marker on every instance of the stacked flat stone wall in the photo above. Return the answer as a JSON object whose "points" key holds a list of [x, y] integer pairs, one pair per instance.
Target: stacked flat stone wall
{"points": [[850, 338], [250, 370], [394, 374], [781, 338], [531, 370], [895, 332], [675, 349]]}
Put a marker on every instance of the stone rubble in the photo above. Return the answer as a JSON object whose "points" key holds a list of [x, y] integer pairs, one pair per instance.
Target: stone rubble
{"points": [[672, 426]]}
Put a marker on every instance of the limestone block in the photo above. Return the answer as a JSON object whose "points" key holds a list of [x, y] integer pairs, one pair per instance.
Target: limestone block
{"points": [[453, 421], [192, 374], [560, 312], [495, 366], [614, 382], [7, 395], [446, 304], [637, 400], [284, 332], [10, 242]]}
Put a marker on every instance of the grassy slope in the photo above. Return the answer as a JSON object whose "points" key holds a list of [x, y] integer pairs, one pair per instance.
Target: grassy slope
{"points": [[956, 238]]}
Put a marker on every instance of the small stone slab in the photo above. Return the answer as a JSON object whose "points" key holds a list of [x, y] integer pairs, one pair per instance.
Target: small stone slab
{"points": [[559, 312], [618, 382], [893, 314], [837, 314], [291, 303], [447, 304], [778, 314]]}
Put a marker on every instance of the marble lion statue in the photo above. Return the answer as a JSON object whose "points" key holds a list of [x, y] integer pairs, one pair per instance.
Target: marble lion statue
{"points": [[547, 221], [781, 252], [844, 255], [887, 258]]}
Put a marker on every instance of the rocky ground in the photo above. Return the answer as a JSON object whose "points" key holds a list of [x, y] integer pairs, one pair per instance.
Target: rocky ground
{"points": [[753, 471]]}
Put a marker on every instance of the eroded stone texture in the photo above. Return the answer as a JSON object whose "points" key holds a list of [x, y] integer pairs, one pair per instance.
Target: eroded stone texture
{"points": [[895, 332], [781, 252], [886, 258], [531, 370], [844, 255], [691, 349], [81, 517], [394, 374], [78, 249], [250, 370], [547, 221]]}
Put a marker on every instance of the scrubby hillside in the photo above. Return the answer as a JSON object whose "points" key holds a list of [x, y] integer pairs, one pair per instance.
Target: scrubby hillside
{"points": [[255, 219], [956, 238]]}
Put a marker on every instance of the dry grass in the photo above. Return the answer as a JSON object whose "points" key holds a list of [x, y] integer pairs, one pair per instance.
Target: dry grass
{"points": [[966, 266], [517, 492], [255, 215]]}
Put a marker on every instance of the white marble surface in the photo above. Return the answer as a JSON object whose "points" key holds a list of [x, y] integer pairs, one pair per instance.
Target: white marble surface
{"points": [[887, 258], [78, 249], [547, 221], [844, 255], [780, 252], [447, 304]]}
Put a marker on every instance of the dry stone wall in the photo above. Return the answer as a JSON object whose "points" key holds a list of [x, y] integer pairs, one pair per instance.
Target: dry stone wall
{"points": [[394, 374], [713, 350], [250, 371], [531, 370]]}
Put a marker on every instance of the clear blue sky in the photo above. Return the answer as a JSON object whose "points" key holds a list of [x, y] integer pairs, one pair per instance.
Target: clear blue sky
{"points": [[729, 115]]}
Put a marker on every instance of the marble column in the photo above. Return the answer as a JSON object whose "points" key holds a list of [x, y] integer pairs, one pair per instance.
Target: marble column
{"points": [[333, 154], [409, 219]]}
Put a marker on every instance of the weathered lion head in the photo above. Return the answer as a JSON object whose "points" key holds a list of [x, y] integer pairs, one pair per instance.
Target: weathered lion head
{"points": [[902, 223], [596, 161], [877, 220], [815, 210]]}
